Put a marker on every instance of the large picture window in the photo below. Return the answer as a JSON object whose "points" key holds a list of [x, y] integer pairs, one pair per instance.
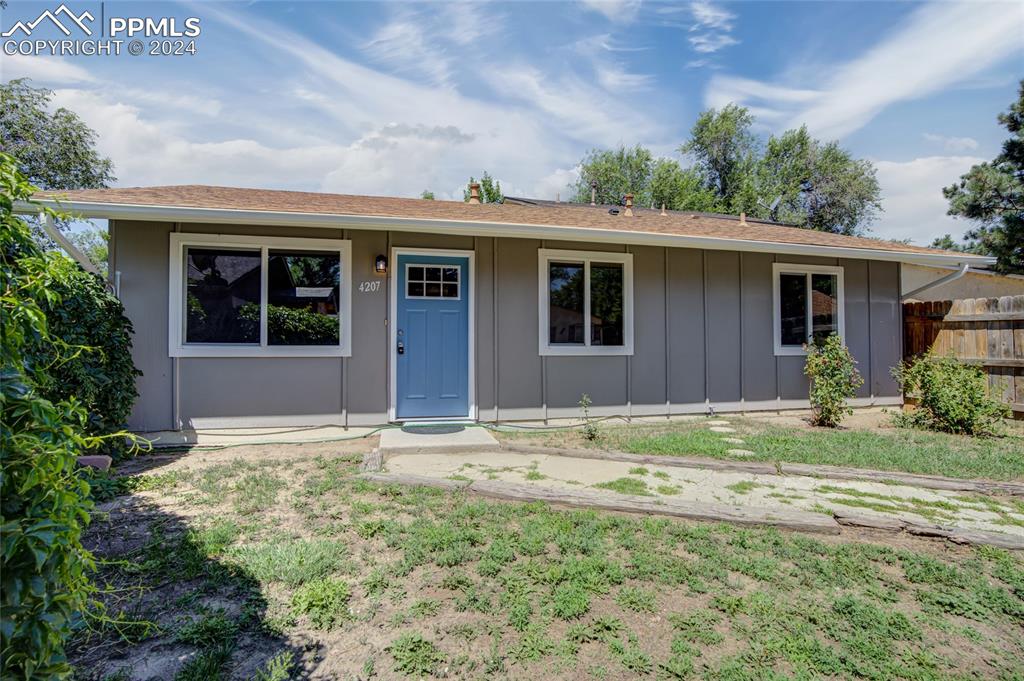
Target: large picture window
{"points": [[585, 303], [258, 296], [808, 305]]}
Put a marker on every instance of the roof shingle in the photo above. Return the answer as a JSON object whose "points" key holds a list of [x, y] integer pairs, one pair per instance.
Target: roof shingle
{"points": [[546, 214]]}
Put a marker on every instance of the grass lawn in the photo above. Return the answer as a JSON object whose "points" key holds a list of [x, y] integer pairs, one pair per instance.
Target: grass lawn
{"points": [[885, 448], [276, 567]]}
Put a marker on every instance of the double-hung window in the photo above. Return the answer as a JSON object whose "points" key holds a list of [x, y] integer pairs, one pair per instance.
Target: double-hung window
{"points": [[808, 305], [586, 303], [244, 296]]}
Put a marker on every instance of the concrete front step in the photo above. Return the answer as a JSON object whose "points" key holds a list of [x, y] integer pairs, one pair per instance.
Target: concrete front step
{"points": [[471, 439]]}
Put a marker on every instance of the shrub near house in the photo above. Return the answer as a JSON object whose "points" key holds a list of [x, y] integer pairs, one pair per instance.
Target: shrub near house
{"points": [[834, 380], [55, 393], [954, 397]]}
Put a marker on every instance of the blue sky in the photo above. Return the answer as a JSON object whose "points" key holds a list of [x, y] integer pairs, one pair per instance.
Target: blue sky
{"points": [[394, 98]]}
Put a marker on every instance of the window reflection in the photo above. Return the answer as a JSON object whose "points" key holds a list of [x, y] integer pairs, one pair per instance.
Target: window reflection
{"points": [[606, 322], [302, 291], [222, 296], [824, 306], [793, 308], [565, 316]]}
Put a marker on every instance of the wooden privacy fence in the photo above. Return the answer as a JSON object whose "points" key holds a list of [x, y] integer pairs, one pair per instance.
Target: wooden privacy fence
{"points": [[984, 331]]}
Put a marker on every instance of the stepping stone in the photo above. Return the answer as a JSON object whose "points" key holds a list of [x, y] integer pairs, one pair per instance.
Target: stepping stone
{"points": [[739, 452], [717, 423], [722, 429], [733, 440]]}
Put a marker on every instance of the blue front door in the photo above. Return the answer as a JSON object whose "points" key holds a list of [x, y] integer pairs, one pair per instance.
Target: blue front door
{"points": [[432, 336]]}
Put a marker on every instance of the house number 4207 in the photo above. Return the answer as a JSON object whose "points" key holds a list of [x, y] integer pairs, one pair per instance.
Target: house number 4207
{"points": [[369, 286]]}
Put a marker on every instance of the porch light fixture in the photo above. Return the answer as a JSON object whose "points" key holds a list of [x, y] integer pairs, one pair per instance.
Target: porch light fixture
{"points": [[380, 265]]}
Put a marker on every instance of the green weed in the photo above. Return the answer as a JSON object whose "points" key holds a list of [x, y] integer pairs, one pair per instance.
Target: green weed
{"points": [[626, 486], [415, 655], [324, 601]]}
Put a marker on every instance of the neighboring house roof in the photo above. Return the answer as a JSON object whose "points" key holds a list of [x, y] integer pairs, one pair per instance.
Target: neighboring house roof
{"points": [[539, 220]]}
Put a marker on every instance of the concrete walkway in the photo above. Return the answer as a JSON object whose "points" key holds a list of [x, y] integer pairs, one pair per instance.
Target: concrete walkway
{"points": [[768, 492]]}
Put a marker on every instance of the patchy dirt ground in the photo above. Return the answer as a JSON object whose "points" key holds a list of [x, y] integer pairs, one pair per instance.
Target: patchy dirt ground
{"points": [[275, 562]]}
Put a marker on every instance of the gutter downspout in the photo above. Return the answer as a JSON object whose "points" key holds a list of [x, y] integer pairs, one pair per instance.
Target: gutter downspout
{"points": [[938, 282], [62, 241]]}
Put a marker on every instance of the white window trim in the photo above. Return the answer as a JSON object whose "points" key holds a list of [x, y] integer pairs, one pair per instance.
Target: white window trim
{"points": [[545, 256], [177, 347], [780, 268]]}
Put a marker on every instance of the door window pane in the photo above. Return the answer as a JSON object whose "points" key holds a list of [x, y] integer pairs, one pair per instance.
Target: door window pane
{"points": [[222, 301], [565, 316], [606, 321], [824, 306], [793, 308], [424, 281], [303, 290]]}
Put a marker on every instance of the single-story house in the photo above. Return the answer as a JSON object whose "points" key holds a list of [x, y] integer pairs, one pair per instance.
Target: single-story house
{"points": [[279, 308]]}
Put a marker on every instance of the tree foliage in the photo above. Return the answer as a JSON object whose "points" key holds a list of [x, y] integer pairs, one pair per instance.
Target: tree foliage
{"points": [[992, 194], [817, 185], [490, 189], [44, 505], [54, 149], [94, 242], [724, 149], [613, 173]]}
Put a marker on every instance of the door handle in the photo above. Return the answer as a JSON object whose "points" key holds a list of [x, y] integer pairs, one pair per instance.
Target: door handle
{"points": [[401, 348]]}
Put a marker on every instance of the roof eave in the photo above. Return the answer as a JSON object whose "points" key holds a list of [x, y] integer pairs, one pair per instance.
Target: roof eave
{"points": [[122, 211]]}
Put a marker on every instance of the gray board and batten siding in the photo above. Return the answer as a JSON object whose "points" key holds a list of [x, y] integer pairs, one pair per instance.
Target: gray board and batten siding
{"points": [[703, 334]]}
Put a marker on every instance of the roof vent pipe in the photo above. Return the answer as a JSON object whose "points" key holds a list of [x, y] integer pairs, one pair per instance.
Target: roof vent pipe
{"points": [[593, 193], [629, 206], [474, 192], [743, 219], [663, 209]]}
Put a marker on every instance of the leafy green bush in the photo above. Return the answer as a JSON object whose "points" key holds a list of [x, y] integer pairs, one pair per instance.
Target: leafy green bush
{"points": [[98, 371], [953, 396], [44, 505], [834, 379]]}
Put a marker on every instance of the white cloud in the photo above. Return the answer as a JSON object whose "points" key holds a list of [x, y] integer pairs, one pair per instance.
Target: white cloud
{"points": [[52, 70], [620, 11], [706, 43], [148, 153], [465, 22], [912, 197], [708, 15], [711, 28], [334, 124], [611, 73], [403, 45], [938, 46], [952, 143], [614, 78], [580, 110]]}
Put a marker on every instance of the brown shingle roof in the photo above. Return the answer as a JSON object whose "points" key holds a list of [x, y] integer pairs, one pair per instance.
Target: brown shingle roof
{"points": [[542, 214]]}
